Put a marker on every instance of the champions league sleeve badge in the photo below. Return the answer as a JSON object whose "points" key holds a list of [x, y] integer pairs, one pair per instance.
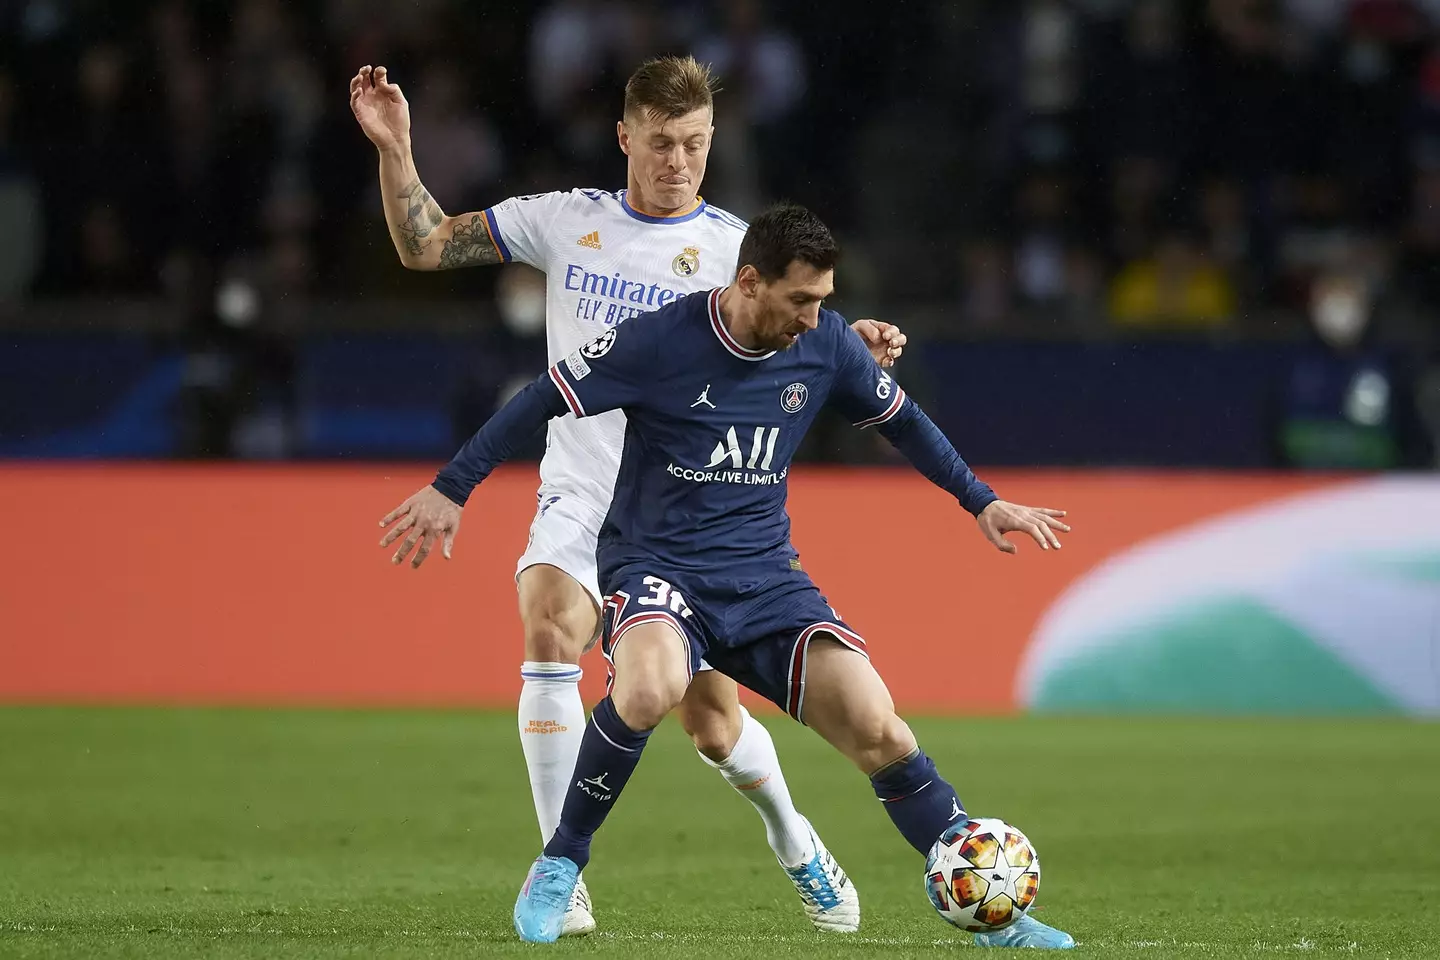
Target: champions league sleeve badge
{"points": [[600, 346]]}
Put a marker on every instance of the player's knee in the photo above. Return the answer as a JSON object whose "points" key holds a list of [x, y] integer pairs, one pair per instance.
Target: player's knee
{"points": [[643, 705], [879, 737], [713, 729], [553, 639], [558, 614]]}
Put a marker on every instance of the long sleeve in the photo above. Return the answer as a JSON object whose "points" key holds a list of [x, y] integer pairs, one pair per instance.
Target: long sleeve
{"points": [[870, 397], [915, 435], [503, 434], [608, 373]]}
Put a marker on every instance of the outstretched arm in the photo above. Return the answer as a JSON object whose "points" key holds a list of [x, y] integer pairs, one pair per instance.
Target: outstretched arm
{"points": [[607, 373], [432, 514], [915, 435], [871, 397], [424, 237], [503, 434]]}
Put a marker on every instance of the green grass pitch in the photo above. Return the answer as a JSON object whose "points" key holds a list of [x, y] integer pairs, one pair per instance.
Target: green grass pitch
{"points": [[237, 834]]}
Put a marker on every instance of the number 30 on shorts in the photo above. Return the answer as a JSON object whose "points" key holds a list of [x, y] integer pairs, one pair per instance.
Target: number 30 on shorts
{"points": [[662, 595]]}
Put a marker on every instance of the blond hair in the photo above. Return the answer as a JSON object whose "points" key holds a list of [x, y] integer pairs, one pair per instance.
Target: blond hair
{"points": [[667, 87]]}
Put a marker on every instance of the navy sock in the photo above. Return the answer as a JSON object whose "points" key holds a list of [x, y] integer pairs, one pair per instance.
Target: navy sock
{"points": [[609, 753], [920, 801]]}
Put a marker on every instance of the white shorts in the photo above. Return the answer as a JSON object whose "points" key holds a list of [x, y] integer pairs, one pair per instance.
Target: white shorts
{"points": [[563, 535]]}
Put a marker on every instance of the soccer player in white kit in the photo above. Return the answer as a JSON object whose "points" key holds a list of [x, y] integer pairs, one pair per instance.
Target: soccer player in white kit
{"points": [[607, 257]]}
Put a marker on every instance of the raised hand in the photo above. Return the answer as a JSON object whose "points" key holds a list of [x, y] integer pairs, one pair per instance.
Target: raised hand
{"points": [[380, 107]]}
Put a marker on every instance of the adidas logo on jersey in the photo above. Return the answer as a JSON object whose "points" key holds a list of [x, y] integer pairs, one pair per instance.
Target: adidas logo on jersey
{"points": [[591, 240]]}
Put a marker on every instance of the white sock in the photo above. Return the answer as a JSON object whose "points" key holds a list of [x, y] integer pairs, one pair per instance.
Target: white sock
{"points": [[753, 770], [552, 724]]}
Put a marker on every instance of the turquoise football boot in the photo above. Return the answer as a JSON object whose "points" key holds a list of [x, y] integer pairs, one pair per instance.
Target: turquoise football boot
{"points": [[540, 908], [1027, 932]]}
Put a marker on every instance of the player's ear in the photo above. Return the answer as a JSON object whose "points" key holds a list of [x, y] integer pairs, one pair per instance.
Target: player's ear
{"points": [[623, 136], [748, 280]]}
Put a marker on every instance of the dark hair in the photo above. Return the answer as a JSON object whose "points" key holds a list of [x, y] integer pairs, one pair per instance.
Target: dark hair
{"points": [[668, 87], [784, 233]]}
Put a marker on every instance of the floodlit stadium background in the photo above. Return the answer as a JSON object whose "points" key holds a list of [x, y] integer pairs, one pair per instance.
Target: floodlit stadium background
{"points": [[1202, 239], [1173, 266]]}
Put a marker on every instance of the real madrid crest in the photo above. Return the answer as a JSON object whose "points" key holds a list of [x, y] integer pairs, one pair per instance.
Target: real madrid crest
{"points": [[793, 397], [687, 262]]}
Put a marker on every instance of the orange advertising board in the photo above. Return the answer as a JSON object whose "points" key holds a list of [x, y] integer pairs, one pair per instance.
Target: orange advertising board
{"points": [[265, 584]]}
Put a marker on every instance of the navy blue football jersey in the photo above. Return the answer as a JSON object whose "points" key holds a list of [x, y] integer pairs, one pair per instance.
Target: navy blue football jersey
{"points": [[712, 427]]}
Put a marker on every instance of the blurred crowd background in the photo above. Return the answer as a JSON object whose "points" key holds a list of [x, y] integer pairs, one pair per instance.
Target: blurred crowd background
{"points": [[1188, 232]]}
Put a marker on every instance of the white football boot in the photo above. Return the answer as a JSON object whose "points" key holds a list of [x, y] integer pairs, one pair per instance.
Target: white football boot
{"points": [[831, 901], [579, 921]]}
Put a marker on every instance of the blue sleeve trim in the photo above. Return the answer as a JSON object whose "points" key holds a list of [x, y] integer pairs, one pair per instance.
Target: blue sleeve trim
{"points": [[729, 219], [495, 235]]}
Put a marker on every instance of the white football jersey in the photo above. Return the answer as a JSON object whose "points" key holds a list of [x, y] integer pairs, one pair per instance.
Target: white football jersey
{"points": [[605, 263]]}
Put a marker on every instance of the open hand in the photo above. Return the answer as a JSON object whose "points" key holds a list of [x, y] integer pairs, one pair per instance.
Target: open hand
{"points": [[1041, 523], [380, 107], [427, 515]]}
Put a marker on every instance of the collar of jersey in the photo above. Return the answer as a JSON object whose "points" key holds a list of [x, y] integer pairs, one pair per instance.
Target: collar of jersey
{"points": [[730, 343], [647, 218]]}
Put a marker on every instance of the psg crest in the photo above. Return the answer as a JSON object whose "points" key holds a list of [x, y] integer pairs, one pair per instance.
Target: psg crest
{"points": [[793, 397]]}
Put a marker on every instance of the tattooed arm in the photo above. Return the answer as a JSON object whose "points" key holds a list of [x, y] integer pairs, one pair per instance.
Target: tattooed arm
{"points": [[424, 237]]}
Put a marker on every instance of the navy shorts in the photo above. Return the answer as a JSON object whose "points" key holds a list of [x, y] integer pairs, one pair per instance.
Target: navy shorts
{"points": [[754, 629]]}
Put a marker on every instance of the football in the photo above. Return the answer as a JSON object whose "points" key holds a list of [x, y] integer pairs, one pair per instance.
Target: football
{"points": [[982, 875]]}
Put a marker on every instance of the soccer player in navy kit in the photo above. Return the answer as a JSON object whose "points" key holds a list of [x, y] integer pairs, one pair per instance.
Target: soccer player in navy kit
{"points": [[695, 556]]}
